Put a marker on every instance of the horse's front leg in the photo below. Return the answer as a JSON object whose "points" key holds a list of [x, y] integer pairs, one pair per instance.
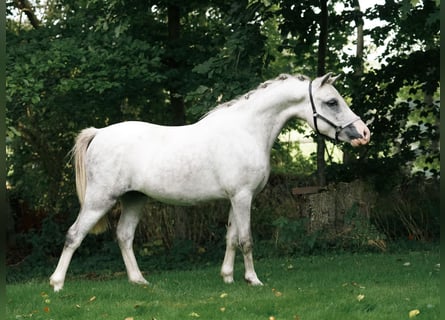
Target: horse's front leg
{"points": [[241, 205], [231, 244]]}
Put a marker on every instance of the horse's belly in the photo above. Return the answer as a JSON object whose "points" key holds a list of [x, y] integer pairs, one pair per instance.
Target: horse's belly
{"points": [[177, 186], [181, 193]]}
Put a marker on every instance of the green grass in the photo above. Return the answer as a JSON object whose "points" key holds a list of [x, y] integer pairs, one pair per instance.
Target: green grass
{"points": [[311, 287]]}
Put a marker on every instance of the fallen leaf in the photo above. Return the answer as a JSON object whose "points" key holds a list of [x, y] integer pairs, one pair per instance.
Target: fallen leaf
{"points": [[92, 299], [413, 313], [407, 264], [355, 284], [278, 294], [201, 250], [194, 315], [271, 318], [46, 309], [360, 297], [223, 295], [222, 309], [129, 318]]}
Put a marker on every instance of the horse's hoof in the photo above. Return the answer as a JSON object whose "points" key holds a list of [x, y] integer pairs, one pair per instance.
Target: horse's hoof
{"points": [[228, 279], [139, 281], [253, 281], [57, 285]]}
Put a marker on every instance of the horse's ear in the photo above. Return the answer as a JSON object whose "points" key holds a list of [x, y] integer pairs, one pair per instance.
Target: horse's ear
{"points": [[325, 78], [334, 78], [329, 79]]}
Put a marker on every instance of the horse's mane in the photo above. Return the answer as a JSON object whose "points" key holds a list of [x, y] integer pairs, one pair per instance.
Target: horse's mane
{"points": [[263, 85]]}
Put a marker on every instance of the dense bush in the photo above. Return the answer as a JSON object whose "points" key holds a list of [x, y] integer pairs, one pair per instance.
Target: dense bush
{"points": [[410, 211]]}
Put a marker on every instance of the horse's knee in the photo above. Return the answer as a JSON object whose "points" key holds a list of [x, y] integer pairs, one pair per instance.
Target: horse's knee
{"points": [[232, 240], [246, 245]]}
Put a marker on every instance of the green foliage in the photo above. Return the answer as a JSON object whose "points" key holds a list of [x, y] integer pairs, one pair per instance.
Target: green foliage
{"points": [[56, 87], [237, 64], [362, 230], [410, 59], [45, 242], [288, 158], [291, 236]]}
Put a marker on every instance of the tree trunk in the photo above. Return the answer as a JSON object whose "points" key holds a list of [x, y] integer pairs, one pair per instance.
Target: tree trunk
{"points": [[174, 33], [360, 39], [25, 6], [322, 39], [348, 157], [321, 70]]}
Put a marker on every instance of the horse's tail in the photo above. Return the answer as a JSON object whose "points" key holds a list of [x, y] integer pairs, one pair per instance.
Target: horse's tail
{"points": [[79, 151]]}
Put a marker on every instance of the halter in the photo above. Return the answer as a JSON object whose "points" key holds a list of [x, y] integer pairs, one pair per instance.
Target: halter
{"points": [[316, 115]]}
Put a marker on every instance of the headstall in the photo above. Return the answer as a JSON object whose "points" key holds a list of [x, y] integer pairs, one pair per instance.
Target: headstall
{"points": [[316, 115]]}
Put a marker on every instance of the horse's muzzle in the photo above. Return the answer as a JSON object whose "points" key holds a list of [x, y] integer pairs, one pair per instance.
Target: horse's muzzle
{"points": [[364, 135]]}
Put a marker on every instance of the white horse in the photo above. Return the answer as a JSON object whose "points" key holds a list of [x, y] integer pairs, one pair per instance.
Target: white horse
{"points": [[225, 155]]}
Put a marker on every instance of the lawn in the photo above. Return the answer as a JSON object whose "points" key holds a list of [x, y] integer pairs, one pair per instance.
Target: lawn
{"points": [[340, 286]]}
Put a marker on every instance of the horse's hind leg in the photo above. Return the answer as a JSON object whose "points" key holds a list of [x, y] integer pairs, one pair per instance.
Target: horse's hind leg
{"points": [[132, 204], [89, 215]]}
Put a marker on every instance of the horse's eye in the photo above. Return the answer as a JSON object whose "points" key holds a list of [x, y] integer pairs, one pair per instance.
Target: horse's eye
{"points": [[332, 103]]}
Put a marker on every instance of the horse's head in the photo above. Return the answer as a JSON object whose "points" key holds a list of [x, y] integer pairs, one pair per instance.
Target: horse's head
{"points": [[331, 115]]}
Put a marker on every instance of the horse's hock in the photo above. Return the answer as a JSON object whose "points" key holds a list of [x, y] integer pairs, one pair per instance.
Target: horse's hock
{"points": [[332, 208]]}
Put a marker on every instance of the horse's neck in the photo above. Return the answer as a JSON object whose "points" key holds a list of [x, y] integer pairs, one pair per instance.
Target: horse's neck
{"points": [[269, 111], [264, 112]]}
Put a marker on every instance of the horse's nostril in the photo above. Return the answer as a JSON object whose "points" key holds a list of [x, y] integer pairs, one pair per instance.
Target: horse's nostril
{"points": [[366, 135]]}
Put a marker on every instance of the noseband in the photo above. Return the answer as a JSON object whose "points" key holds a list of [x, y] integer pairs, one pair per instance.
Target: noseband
{"points": [[316, 115]]}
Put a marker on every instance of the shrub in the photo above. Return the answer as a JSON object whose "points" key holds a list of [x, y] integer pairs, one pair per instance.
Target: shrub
{"points": [[410, 211]]}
